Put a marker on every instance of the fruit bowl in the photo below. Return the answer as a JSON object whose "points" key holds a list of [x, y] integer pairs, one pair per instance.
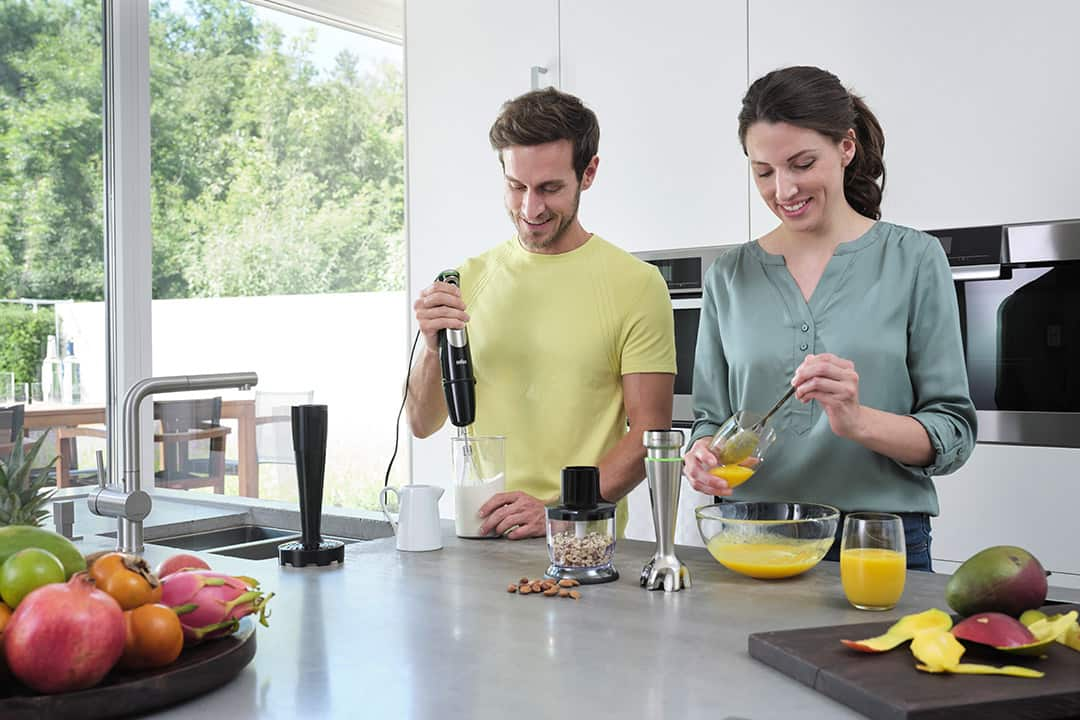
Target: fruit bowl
{"points": [[767, 540]]}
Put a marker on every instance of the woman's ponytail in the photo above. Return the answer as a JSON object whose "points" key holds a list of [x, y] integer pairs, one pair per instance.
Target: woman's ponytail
{"points": [[861, 187]]}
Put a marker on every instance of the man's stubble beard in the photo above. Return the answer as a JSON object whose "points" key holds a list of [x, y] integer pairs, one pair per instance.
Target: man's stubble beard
{"points": [[555, 237]]}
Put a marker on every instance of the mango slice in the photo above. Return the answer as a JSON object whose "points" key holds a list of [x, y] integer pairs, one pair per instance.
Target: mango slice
{"points": [[1046, 631], [937, 649], [1071, 637], [973, 669], [903, 630]]}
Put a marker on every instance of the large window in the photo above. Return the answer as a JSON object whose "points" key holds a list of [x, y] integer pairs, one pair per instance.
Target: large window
{"points": [[51, 230], [277, 171]]}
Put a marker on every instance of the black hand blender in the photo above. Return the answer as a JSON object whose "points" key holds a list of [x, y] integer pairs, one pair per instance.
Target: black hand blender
{"points": [[458, 381], [455, 361], [309, 446]]}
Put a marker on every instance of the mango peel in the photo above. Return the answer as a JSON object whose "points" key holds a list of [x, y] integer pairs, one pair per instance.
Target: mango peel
{"points": [[938, 651], [973, 669], [903, 630]]}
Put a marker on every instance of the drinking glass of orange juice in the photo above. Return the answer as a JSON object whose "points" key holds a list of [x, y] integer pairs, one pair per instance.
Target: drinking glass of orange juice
{"points": [[873, 560], [747, 460]]}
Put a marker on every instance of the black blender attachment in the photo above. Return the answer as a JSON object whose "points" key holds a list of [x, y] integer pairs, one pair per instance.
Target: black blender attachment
{"points": [[455, 361], [581, 530], [309, 445]]}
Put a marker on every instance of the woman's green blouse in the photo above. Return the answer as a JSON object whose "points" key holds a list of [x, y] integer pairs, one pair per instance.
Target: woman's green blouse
{"points": [[886, 302]]}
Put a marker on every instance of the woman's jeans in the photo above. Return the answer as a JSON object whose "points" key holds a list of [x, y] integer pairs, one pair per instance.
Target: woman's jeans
{"points": [[916, 539]]}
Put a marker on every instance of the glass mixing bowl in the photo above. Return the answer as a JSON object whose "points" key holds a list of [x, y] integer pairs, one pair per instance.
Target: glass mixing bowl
{"points": [[767, 540]]}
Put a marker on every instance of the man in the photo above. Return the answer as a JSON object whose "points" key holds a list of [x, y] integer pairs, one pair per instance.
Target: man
{"points": [[570, 336]]}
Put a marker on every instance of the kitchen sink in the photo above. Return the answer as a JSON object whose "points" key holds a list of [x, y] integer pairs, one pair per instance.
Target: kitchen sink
{"points": [[226, 537], [251, 542], [266, 549]]}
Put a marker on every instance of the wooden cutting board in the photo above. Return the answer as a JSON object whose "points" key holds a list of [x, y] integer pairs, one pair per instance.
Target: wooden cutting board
{"points": [[887, 685], [199, 669]]}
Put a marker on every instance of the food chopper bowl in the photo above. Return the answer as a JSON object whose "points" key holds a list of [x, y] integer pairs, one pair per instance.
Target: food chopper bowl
{"points": [[767, 540], [582, 550]]}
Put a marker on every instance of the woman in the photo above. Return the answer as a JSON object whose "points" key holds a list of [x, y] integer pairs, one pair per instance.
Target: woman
{"points": [[857, 313]]}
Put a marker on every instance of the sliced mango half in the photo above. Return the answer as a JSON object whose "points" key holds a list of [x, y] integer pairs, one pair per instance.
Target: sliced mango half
{"points": [[903, 630]]}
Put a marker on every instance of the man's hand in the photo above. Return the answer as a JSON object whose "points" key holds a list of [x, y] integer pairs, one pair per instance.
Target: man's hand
{"points": [[439, 307], [833, 382], [506, 510], [696, 465]]}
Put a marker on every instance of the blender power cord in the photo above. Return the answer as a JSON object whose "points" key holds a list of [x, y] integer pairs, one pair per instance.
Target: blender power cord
{"points": [[404, 396]]}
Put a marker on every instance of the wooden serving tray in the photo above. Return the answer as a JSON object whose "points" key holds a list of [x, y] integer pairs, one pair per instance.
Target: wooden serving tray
{"points": [[199, 669], [887, 685]]}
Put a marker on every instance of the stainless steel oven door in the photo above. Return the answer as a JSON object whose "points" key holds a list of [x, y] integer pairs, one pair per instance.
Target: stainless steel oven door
{"points": [[1021, 335], [687, 316]]}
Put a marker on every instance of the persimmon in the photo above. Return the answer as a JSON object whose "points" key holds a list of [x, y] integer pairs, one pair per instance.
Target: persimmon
{"points": [[127, 578], [154, 637]]}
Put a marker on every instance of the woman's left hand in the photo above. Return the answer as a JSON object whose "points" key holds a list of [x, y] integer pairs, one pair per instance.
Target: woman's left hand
{"points": [[833, 382]]}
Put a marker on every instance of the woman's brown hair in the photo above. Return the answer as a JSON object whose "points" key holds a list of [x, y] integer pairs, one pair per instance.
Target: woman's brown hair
{"points": [[814, 99]]}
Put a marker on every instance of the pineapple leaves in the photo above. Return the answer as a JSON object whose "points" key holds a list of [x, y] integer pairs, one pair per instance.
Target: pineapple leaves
{"points": [[23, 492]]}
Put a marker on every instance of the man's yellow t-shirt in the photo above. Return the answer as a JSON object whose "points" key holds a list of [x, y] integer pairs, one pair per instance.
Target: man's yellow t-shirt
{"points": [[551, 337]]}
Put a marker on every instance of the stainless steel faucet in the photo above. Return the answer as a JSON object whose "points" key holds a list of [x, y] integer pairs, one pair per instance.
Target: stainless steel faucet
{"points": [[128, 502]]}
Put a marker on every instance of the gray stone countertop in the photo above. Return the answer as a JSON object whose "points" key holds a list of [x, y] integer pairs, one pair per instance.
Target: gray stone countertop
{"points": [[436, 635]]}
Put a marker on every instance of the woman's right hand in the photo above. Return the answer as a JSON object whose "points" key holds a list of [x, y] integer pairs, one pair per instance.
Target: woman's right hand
{"points": [[696, 465], [439, 307]]}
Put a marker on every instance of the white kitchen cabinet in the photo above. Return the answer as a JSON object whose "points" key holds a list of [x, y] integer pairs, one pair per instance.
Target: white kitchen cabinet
{"points": [[463, 59], [1007, 495], [666, 83], [977, 99]]}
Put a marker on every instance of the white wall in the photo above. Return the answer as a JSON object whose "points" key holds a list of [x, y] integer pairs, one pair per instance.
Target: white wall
{"points": [[977, 105]]}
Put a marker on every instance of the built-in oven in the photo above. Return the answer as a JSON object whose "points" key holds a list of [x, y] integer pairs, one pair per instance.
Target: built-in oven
{"points": [[684, 272], [1018, 291]]}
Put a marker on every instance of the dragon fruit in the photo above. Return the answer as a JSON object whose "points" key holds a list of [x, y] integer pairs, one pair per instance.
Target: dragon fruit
{"points": [[210, 604]]}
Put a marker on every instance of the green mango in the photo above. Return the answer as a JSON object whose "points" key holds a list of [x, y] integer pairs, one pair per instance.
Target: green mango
{"points": [[14, 538], [1004, 579]]}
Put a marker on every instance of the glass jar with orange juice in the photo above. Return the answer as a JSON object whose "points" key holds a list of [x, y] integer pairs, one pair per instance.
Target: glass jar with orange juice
{"points": [[873, 560], [738, 461]]}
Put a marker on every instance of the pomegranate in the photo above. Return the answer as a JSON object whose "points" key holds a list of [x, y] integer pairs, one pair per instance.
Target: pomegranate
{"points": [[64, 636]]}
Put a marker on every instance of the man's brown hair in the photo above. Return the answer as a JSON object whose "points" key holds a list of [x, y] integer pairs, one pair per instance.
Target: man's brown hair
{"points": [[544, 116]]}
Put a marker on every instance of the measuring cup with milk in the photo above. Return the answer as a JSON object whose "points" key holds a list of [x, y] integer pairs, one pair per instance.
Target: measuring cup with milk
{"points": [[479, 463]]}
